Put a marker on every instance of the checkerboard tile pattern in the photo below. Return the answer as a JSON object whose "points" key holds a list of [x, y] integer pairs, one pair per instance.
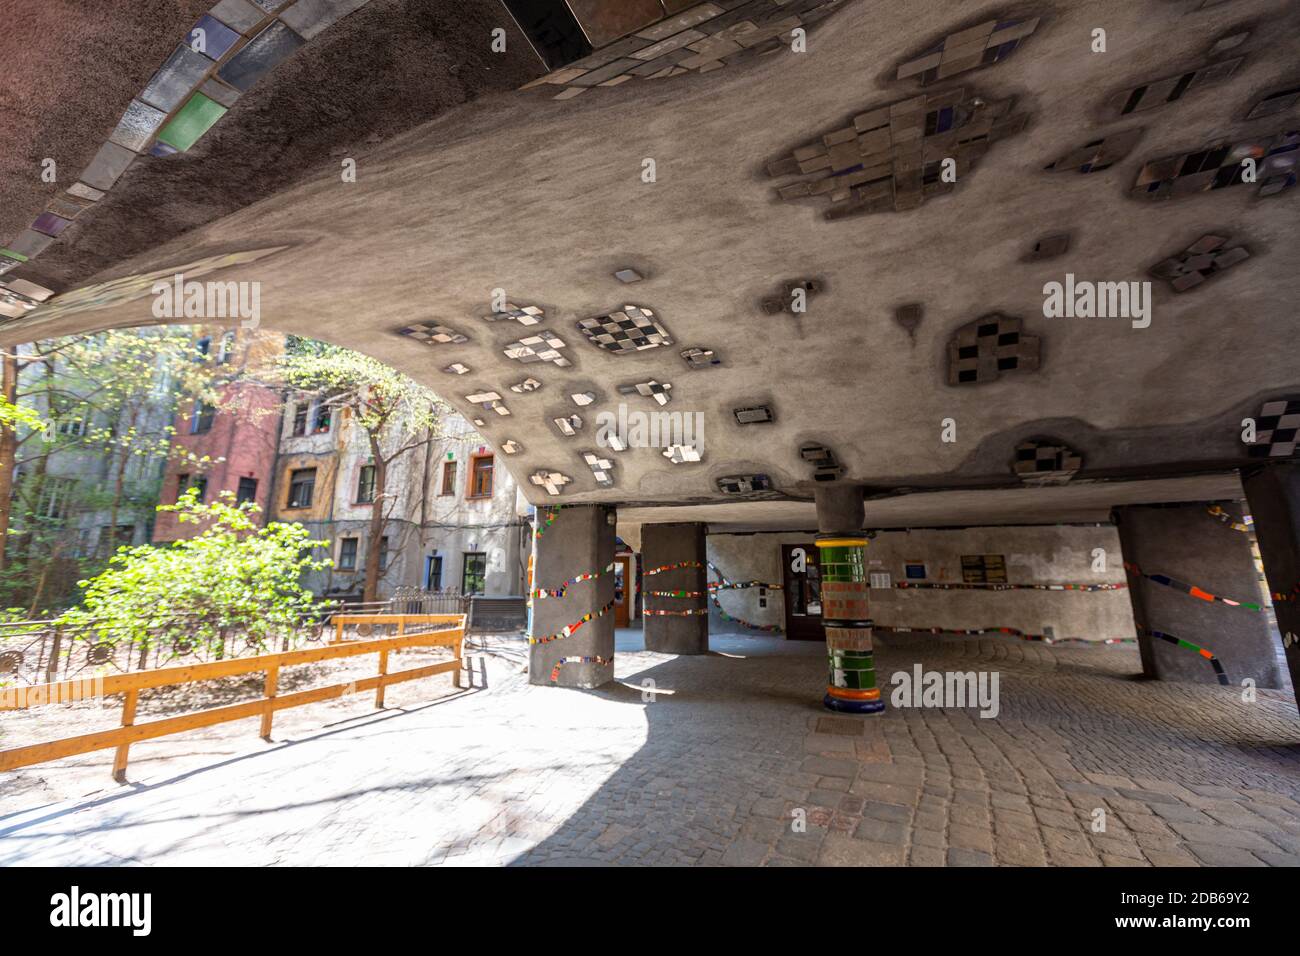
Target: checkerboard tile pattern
{"points": [[890, 159], [1171, 88], [1204, 258], [434, 334], [1045, 463], [602, 469], [489, 400], [659, 391], [753, 485], [1277, 429], [552, 481], [524, 315], [982, 350], [630, 329], [1098, 154], [542, 346]]}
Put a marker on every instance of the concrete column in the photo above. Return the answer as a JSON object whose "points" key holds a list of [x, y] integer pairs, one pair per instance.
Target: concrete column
{"points": [[1273, 494], [579, 542], [686, 630], [1193, 548], [841, 555]]}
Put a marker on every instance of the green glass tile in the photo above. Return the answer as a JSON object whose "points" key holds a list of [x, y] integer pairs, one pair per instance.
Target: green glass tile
{"points": [[13, 255], [191, 121]]}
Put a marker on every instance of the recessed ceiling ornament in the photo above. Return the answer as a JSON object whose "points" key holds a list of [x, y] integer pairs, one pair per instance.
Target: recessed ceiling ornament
{"points": [[826, 467], [700, 358], [489, 400], [602, 469], [990, 42], [1044, 462], [895, 157], [433, 334], [1203, 259], [631, 329], [659, 391], [1277, 429], [552, 481], [793, 297], [1155, 93], [757, 486], [754, 415], [680, 454], [1274, 159], [527, 385], [457, 368], [523, 314], [511, 447], [1048, 247], [1099, 154], [982, 350], [542, 346], [569, 425]]}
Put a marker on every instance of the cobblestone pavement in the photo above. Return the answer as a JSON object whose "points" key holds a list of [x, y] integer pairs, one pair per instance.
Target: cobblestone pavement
{"points": [[734, 747]]}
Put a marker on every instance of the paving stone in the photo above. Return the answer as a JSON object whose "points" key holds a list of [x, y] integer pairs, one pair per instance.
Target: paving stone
{"points": [[958, 856], [882, 831], [1221, 836], [840, 850], [1221, 855]]}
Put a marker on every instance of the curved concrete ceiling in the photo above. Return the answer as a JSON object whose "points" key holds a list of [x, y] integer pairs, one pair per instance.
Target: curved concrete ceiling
{"points": [[546, 200]]}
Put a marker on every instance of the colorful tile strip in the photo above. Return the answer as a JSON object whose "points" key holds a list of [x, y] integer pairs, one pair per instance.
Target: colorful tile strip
{"points": [[555, 671], [671, 567], [1191, 589], [1188, 645], [571, 629], [1243, 525], [558, 592]]}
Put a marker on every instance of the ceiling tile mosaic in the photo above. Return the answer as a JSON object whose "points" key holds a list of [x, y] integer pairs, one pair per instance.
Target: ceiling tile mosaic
{"points": [[541, 347], [310, 17], [137, 127], [1099, 154], [1277, 102], [631, 329], [260, 56], [891, 159], [983, 45], [1045, 463], [982, 350], [697, 358], [1159, 92], [552, 481], [489, 400], [583, 399], [527, 385], [1048, 247], [826, 466], [602, 469], [784, 300], [1220, 165], [682, 454], [240, 14], [754, 415], [431, 333], [758, 485], [217, 37], [457, 368], [569, 425], [523, 314], [1204, 258], [659, 391], [511, 447], [1277, 429], [909, 316], [628, 276], [178, 77]]}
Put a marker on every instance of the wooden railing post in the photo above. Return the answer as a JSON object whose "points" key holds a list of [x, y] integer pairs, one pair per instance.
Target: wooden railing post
{"points": [[383, 669], [272, 685], [128, 718], [459, 650], [52, 666]]}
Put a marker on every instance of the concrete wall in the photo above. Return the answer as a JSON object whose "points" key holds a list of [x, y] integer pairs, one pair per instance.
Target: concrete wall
{"points": [[1048, 554]]}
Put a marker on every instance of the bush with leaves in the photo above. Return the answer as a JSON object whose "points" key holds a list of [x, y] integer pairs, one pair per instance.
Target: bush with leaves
{"points": [[232, 579]]}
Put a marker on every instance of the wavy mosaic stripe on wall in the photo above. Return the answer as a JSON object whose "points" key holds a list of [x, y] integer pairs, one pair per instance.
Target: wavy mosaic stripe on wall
{"points": [[225, 54]]}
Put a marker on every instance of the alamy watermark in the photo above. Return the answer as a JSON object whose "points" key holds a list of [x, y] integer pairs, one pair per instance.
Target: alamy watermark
{"points": [[179, 299], [960, 689], [640, 429], [1084, 299]]}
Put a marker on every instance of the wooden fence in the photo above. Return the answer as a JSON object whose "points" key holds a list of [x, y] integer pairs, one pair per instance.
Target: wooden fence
{"points": [[130, 685]]}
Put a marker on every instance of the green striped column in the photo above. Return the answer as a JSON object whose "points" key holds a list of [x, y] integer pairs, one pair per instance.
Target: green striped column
{"points": [[851, 687]]}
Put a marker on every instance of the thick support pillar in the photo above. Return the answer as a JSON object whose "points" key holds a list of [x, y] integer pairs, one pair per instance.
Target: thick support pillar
{"points": [[841, 554], [1178, 557], [1273, 495], [676, 604], [571, 642]]}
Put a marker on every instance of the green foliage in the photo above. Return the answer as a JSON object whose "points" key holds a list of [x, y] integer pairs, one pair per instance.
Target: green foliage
{"points": [[233, 576]]}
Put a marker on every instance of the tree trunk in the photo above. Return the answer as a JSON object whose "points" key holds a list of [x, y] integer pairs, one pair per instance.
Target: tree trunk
{"points": [[8, 452], [376, 531]]}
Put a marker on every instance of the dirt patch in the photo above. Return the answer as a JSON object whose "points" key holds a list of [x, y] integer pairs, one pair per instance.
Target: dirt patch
{"points": [[89, 774]]}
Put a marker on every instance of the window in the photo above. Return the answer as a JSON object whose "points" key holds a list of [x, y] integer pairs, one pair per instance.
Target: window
{"points": [[366, 485], [182, 482], [200, 484], [474, 572], [433, 573], [227, 351], [347, 554], [74, 428], [247, 490], [448, 478], [109, 541], [302, 486], [480, 479], [300, 411], [383, 553], [201, 418], [983, 569], [55, 497], [322, 421]]}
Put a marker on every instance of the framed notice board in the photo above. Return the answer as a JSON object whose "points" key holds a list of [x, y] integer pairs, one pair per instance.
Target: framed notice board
{"points": [[983, 569]]}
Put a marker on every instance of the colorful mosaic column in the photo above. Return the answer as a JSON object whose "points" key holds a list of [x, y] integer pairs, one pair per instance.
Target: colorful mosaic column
{"points": [[851, 687]]}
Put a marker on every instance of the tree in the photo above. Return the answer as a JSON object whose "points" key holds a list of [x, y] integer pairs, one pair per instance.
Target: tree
{"points": [[231, 577], [110, 400], [393, 413]]}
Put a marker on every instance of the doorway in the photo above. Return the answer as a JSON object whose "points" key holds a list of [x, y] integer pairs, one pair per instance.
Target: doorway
{"points": [[622, 590], [803, 592]]}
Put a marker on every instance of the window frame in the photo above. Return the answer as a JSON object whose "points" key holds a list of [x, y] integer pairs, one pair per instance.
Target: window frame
{"points": [[294, 481], [449, 467], [361, 484], [356, 552], [465, 572], [473, 471]]}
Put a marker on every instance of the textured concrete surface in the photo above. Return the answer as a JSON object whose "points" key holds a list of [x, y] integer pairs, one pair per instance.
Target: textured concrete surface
{"points": [[545, 200], [663, 545], [1184, 543], [713, 768], [1273, 495]]}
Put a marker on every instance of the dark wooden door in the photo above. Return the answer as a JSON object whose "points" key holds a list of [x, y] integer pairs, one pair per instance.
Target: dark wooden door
{"points": [[623, 587], [803, 592]]}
